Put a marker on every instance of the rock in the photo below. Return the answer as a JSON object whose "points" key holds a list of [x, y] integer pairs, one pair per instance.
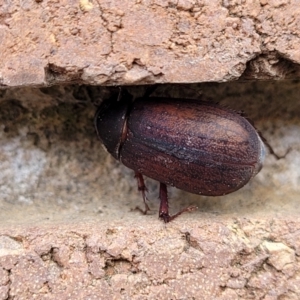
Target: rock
{"points": [[107, 42]]}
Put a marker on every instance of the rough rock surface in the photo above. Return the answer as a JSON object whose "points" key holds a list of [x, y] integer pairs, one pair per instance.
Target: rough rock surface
{"points": [[206, 258], [111, 42], [67, 225], [68, 231]]}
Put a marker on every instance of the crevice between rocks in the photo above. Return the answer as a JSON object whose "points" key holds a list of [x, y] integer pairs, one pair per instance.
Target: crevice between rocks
{"points": [[270, 66]]}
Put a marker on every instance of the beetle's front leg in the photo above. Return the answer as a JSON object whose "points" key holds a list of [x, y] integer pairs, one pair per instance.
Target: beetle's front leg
{"points": [[164, 205], [142, 188]]}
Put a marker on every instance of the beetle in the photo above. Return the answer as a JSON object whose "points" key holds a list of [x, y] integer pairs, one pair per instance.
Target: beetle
{"points": [[194, 145]]}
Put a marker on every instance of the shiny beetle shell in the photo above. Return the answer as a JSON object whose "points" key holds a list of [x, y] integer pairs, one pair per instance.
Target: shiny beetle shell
{"points": [[196, 146]]}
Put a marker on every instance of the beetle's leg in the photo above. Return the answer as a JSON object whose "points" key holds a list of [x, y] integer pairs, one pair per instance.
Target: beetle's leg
{"points": [[164, 205], [142, 188], [271, 150]]}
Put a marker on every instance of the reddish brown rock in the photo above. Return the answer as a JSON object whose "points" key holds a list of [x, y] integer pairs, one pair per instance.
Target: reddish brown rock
{"points": [[201, 259], [133, 42]]}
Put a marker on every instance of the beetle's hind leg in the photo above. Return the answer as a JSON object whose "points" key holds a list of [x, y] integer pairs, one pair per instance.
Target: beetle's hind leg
{"points": [[143, 189], [271, 150], [164, 205]]}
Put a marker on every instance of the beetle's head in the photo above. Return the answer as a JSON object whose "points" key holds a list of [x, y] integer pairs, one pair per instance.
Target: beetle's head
{"points": [[111, 121]]}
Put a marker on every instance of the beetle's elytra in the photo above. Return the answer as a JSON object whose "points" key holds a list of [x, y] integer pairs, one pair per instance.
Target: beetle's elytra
{"points": [[196, 146]]}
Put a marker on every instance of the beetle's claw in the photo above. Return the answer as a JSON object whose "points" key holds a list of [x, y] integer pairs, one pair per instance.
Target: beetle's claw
{"points": [[284, 155], [144, 212], [168, 218]]}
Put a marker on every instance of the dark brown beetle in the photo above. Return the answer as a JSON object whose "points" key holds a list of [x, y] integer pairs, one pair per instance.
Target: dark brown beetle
{"points": [[196, 146]]}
